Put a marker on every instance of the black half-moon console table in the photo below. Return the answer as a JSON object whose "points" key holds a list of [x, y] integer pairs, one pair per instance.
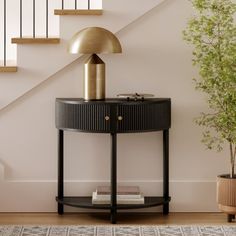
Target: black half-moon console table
{"points": [[113, 116]]}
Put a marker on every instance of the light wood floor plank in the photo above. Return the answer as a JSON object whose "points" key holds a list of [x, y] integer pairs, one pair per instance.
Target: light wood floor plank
{"points": [[123, 218]]}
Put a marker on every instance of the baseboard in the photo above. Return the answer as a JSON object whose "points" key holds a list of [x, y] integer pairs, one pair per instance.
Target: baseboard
{"points": [[39, 196]]}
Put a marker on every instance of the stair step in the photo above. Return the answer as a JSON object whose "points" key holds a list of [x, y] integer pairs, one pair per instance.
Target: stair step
{"points": [[90, 12], [8, 68], [35, 40]]}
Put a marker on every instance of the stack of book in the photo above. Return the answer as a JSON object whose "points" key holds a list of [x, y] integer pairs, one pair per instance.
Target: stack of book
{"points": [[125, 195]]}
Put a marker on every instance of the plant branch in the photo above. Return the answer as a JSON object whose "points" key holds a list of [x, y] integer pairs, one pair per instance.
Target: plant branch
{"points": [[232, 159]]}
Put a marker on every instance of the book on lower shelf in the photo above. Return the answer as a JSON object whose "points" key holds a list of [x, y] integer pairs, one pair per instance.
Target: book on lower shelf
{"points": [[121, 190], [125, 195]]}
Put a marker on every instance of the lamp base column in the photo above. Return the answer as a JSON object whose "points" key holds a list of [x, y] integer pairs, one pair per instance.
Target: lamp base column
{"points": [[94, 78]]}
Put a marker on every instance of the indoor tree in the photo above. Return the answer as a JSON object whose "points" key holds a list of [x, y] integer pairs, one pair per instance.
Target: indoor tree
{"points": [[212, 32]]}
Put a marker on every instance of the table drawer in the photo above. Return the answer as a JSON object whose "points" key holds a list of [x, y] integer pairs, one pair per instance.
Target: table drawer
{"points": [[143, 117], [83, 117]]}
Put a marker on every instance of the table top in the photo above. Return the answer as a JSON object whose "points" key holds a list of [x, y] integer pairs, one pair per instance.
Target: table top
{"points": [[112, 100]]}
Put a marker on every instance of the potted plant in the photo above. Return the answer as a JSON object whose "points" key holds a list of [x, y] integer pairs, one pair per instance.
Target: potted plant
{"points": [[212, 32]]}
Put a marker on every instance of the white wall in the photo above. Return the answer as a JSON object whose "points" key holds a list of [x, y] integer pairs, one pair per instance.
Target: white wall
{"points": [[154, 60]]}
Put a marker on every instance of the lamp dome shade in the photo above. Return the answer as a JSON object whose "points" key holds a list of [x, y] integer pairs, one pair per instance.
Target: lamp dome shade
{"points": [[94, 40]]}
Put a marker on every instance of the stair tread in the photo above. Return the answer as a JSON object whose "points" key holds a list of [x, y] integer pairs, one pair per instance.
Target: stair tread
{"points": [[8, 68], [95, 12], [28, 40]]}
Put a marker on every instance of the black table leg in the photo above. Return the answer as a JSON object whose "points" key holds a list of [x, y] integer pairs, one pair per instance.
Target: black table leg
{"points": [[166, 171], [230, 217], [113, 177], [60, 187]]}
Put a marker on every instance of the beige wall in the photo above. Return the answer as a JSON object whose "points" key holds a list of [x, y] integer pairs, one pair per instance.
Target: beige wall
{"points": [[154, 60]]}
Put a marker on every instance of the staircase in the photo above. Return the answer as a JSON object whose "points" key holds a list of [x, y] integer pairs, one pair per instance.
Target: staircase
{"points": [[38, 58]]}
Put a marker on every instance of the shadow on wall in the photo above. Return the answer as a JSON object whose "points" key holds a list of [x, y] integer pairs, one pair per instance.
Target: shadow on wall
{"points": [[2, 171]]}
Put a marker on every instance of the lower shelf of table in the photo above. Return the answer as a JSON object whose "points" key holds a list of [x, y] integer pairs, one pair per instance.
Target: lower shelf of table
{"points": [[86, 202]]}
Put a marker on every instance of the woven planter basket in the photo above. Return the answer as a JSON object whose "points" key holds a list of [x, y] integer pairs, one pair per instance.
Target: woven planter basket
{"points": [[226, 194]]}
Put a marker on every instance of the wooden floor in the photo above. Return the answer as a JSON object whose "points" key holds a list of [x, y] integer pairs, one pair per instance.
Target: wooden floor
{"points": [[123, 218]]}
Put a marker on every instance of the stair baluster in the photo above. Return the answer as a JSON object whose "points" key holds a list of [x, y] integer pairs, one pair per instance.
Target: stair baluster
{"points": [[5, 33], [46, 18], [33, 18], [20, 18]]}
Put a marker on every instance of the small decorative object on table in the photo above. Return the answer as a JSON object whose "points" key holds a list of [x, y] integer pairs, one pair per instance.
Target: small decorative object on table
{"points": [[135, 96]]}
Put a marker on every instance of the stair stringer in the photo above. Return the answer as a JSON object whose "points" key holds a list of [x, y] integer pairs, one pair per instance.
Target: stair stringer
{"points": [[39, 62]]}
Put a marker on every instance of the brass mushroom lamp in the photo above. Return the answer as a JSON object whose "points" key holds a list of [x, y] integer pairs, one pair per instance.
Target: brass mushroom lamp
{"points": [[93, 40]]}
